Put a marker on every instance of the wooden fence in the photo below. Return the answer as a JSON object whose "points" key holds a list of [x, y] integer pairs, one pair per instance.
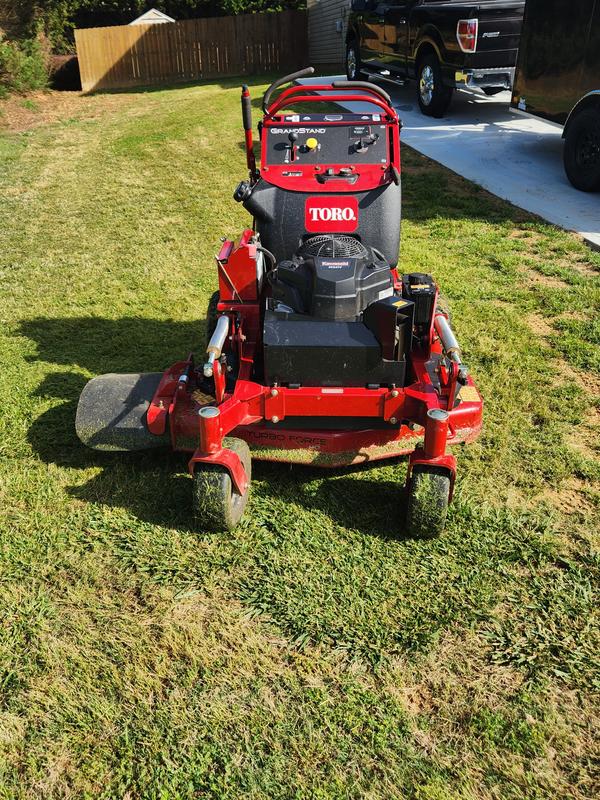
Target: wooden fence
{"points": [[126, 56]]}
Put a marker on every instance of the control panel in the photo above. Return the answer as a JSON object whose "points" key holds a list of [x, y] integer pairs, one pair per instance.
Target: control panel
{"points": [[302, 139]]}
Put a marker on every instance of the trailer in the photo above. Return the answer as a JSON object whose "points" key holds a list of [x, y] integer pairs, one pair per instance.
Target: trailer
{"points": [[558, 79]]}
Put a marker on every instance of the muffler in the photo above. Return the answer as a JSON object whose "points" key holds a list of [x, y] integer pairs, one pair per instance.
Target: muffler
{"points": [[111, 413]]}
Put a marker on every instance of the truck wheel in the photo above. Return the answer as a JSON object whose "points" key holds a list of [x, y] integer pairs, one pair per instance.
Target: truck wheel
{"points": [[216, 504], [492, 90], [428, 494], [582, 151], [352, 61], [434, 98], [211, 316]]}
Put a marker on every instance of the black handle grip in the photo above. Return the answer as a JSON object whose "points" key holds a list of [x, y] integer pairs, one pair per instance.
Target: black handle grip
{"points": [[246, 109], [363, 85], [303, 73]]}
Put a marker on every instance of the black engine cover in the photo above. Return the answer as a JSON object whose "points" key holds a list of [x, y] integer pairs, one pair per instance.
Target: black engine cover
{"points": [[332, 278]]}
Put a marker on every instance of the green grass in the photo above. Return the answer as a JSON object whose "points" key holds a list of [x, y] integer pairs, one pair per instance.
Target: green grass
{"points": [[314, 652]]}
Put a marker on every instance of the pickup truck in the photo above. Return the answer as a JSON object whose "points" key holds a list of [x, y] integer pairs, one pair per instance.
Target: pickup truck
{"points": [[558, 79], [443, 44]]}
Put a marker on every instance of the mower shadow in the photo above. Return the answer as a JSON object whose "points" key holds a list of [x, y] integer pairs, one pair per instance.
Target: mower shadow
{"points": [[372, 506]]}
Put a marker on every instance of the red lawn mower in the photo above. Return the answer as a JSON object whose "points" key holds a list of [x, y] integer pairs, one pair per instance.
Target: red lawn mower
{"points": [[319, 351]]}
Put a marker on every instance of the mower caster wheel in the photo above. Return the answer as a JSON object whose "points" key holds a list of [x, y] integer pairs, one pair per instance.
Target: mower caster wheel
{"points": [[216, 504], [428, 494]]}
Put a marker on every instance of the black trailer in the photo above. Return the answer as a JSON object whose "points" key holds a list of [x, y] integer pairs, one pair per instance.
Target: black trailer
{"points": [[558, 79]]}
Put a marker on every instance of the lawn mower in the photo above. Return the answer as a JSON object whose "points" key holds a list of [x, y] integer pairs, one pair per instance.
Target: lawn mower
{"points": [[319, 351]]}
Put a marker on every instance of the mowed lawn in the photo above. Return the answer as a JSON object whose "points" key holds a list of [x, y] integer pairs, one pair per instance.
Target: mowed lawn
{"points": [[315, 652]]}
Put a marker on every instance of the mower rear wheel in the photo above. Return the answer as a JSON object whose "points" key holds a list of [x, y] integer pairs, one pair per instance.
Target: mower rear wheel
{"points": [[428, 495], [216, 504], [211, 316]]}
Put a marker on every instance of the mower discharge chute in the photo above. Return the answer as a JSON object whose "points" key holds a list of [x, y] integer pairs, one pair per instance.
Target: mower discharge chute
{"points": [[319, 351]]}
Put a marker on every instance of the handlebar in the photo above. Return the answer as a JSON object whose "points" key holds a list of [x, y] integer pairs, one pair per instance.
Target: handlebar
{"points": [[370, 87], [303, 73]]}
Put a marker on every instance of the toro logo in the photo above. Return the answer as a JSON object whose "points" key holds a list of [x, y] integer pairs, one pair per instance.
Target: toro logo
{"points": [[336, 214]]}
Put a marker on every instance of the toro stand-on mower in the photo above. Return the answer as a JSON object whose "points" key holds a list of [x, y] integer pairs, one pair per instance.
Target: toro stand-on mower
{"points": [[318, 350]]}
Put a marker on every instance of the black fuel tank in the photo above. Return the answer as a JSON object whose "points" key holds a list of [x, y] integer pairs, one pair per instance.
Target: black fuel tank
{"points": [[279, 215]]}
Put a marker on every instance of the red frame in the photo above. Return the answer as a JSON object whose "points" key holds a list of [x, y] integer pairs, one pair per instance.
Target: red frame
{"points": [[258, 413]]}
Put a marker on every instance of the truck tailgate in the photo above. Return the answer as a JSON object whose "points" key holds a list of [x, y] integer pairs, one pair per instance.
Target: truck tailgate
{"points": [[498, 35]]}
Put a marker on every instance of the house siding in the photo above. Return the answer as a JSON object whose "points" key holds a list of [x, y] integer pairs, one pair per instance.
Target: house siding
{"points": [[325, 44]]}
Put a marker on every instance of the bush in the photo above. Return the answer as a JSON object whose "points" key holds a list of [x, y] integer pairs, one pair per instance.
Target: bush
{"points": [[23, 66]]}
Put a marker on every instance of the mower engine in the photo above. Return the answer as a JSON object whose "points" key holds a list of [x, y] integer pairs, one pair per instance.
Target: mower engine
{"points": [[318, 350]]}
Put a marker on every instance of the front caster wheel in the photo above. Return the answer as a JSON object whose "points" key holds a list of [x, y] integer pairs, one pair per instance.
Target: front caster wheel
{"points": [[216, 504], [428, 494]]}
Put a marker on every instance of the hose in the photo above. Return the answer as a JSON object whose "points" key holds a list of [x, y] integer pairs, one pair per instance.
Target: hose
{"points": [[270, 257]]}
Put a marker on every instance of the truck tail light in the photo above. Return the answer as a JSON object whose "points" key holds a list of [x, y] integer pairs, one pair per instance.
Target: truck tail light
{"points": [[466, 34]]}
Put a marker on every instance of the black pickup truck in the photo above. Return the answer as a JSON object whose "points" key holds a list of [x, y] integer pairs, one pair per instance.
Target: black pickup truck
{"points": [[558, 79], [442, 43]]}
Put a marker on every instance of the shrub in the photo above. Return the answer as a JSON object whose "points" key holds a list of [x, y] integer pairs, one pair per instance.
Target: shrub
{"points": [[23, 66]]}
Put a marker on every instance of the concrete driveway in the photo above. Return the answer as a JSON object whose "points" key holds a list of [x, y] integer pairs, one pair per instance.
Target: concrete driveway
{"points": [[514, 157]]}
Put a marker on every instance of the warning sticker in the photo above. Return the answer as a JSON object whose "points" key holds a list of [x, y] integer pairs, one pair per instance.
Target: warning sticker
{"points": [[202, 399], [469, 394]]}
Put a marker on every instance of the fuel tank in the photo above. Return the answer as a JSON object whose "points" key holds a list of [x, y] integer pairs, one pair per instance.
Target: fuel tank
{"points": [[282, 216]]}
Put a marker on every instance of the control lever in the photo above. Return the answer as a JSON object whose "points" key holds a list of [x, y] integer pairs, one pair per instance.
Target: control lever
{"points": [[365, 142], [292, 136]]}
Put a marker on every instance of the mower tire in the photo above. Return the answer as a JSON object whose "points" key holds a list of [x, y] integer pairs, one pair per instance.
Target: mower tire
{"points": [[444, 306], [211, 316], [428, 494], [216, 505]]}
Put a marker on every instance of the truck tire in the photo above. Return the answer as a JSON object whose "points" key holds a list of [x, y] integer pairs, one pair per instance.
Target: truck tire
{"points": [[352, 60], [490, 91], [433, 97], [582, 150]]}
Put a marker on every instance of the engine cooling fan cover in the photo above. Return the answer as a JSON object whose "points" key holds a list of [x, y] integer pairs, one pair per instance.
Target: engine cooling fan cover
{"points": [[333, 246]]}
